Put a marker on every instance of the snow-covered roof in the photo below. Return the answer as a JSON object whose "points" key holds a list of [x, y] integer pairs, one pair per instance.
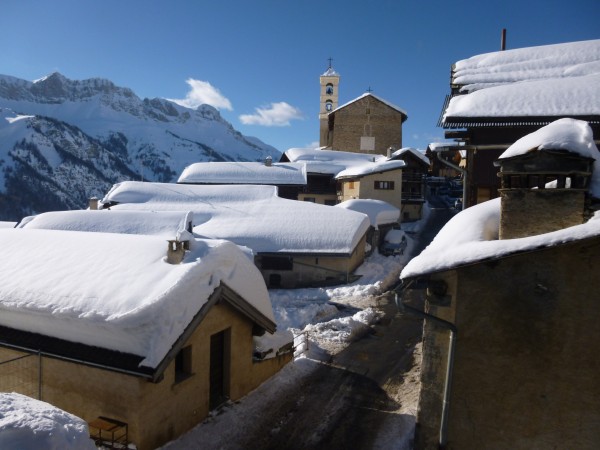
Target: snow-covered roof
{"points": [[29, 424], [167, 224], [106, 290], [330, 161], [371, 168], [250, 215], [472, 236], [244, 173], [330, 72], [405, 150], [378, 211], [4, 224], [550, 80], [369, 94], [563, 134]]}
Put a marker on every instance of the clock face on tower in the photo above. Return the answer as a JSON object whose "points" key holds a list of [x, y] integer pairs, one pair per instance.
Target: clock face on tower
{"points": [[328, 105]]}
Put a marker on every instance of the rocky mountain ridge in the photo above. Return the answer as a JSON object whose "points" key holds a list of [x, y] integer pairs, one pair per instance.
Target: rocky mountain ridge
{"points": [[62, 141]]}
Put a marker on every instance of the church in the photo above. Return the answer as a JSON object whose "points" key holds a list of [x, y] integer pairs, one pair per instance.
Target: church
{"points": [[367, 124]]}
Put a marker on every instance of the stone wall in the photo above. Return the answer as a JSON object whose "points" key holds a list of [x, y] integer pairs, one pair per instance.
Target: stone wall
{"points": [[526, 367], [529, 212], [349, 126]]}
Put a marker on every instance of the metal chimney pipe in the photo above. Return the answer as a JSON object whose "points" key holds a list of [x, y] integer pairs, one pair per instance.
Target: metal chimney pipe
{"points": [[503, 40]]}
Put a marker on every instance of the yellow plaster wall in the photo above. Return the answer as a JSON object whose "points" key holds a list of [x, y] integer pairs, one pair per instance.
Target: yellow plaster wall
{"points": [[157, 412]]}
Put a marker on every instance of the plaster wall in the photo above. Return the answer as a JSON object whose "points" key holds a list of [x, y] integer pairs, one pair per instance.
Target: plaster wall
{"points": [[364, 188], [315, 270], [159, 412]]}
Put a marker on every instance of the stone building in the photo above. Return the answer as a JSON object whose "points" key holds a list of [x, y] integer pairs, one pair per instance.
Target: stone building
{"points": [[510, 285], [367, 124]]}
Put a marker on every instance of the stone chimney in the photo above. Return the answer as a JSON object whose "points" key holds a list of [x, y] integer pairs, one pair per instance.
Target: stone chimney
{"points": [[528, 206], [176, 251], [268, 161], [93, 203]]}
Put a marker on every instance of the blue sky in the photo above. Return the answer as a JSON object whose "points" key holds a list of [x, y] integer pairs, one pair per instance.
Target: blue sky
{"points": [[259, 61]]}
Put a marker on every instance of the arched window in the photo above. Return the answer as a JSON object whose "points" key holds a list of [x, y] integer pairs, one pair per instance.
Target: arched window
{"points": [[329, 89], [328, 105]]}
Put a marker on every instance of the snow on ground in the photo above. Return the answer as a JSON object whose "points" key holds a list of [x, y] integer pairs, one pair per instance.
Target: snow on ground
{"points": [[28, 424]]}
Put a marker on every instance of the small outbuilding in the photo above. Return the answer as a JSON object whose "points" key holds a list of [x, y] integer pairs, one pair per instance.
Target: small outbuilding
{"points": [[127, 336]]}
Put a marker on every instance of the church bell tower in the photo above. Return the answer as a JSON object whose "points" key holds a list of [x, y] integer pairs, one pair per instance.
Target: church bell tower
{"points": [[330, 81]]}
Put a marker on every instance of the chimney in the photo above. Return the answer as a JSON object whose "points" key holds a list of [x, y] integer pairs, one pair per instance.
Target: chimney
{"points": [[176, 251], [93, 203], [529, 204], [268, 161], [390, 150], [503, 40]]}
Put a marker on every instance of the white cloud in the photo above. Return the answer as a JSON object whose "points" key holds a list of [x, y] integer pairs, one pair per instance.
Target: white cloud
{"points": [[275, 115], [203, 93]]}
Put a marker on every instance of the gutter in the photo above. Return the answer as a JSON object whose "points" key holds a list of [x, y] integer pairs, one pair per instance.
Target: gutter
{"points": [[402, 307]]}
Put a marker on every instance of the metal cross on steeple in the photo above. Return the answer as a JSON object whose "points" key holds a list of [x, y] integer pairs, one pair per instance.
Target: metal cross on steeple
{"points": [[330, 59], [369, 89]]}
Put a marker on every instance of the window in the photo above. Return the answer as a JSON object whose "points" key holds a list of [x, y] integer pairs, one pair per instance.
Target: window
{"points": [[350, 184], [183, 364], [329, 89], [328, 105], [309, 199], [384, 185], [276, 263]]}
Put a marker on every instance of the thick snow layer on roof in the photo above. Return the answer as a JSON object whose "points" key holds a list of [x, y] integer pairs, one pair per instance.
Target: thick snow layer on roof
{"points": [[551, 80], [571, 59], [251, 216], [417, 153], [371, 168], [330, 161], [378, 211], [563, 134], [579, 96], [167, 224], [244, 173], [369, 94], [472, 236], [107, 290], [28, 424], [4, 224]]}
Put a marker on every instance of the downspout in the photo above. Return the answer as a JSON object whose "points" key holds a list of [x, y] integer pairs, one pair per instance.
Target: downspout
{"points": [[402, 307], [455, 167]]}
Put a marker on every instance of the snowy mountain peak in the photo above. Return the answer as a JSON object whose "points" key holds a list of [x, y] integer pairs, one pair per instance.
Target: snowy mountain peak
{"points": [[109, 130]]}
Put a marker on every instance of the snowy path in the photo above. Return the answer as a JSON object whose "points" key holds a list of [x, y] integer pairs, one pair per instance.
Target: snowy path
{"points": [[363, 397]]}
